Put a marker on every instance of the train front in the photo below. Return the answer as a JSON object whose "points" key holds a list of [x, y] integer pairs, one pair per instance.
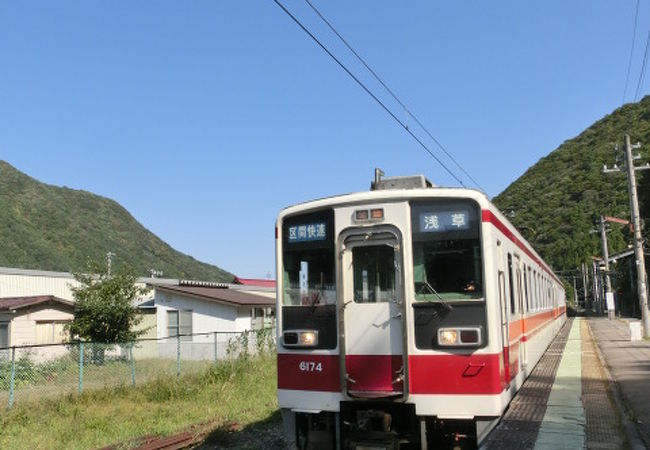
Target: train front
{"points": [[382, 320]]}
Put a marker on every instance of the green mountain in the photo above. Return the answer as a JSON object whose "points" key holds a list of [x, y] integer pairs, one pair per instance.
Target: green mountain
{"points": [[56, 228], [557, 202]]}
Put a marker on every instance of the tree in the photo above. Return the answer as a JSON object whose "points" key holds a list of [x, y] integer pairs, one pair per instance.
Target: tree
{"points": [[104, 310]]}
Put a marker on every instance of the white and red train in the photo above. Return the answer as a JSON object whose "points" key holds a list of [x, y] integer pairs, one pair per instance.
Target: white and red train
{"points": [[408, 317]]}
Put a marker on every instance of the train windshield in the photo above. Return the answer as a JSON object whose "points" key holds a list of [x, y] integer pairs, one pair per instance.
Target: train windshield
{"points": [[308, 260], [446, 250]]}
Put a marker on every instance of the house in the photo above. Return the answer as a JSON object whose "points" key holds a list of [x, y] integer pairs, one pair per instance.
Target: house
{"points": [[172, 307], [207, 316], [203, 307], [35, 320]]}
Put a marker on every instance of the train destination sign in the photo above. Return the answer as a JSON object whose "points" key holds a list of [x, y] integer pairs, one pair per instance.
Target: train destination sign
{"points": [[432, 222], [308, 232]]}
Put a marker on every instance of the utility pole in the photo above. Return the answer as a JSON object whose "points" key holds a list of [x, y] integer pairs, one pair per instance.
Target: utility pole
{"points": [[609, 296], [596, 287], [638, 239], [109, 260], [155, 273], [584, 286]]}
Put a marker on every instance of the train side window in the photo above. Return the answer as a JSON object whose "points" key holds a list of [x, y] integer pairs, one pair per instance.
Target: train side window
{"points": [[545, 293], [539, 292], [534, 285], [531, 281], [526, 290], [512, 285]]}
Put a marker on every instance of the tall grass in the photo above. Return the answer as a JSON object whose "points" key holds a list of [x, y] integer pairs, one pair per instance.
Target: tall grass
{"points": [[239, 391]]}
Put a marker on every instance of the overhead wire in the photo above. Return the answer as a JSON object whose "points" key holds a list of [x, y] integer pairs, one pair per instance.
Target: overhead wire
{"points": [[643, 66], [369, 92], [390, 91], [629, 63]]}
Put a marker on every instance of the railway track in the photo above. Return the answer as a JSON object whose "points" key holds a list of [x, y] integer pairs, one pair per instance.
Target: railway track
{"points": [[178, 441]]}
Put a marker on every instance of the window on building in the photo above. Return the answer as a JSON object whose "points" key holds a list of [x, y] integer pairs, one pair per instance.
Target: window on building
{"points": [[4, 334], [180, 322], [50, 332]]}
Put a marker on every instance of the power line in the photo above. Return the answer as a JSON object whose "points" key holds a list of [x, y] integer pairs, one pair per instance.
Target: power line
{"points": [[643, 66], [363, 86], [629, 63], [389, 90]]}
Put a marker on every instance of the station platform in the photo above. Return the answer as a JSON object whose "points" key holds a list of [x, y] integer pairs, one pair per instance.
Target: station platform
{"points": [[591, 389]]}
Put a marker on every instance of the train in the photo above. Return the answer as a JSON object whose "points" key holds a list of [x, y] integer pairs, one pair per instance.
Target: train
{"points": [[408, 317]]}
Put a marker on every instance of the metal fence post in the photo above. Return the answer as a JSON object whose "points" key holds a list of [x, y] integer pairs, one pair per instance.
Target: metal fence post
{"points": [[81, 367], [12, 380], [216, 348], [178, 355], [132, 364]]}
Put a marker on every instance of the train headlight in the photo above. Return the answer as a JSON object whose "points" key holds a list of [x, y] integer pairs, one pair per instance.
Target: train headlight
{"points": [[300, 338], [308, 338], [448, 337], [459, 337]]}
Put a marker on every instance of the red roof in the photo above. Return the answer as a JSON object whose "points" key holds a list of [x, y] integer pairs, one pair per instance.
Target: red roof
{"points": [[10, 303], [255, 282], [224, 295]]}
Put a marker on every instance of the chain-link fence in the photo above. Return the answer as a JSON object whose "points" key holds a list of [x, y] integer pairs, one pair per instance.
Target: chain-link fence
{"points": [[34, 372]]}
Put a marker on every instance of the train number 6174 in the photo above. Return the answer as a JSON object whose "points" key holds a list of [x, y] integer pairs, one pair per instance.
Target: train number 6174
{"points": [[311, 366]]}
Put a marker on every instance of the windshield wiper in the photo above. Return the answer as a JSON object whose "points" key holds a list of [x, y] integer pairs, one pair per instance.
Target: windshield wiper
{"points": [[433, 291]]}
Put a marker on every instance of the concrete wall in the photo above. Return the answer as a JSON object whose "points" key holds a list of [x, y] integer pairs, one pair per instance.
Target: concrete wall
{"points": [[24, 283]]}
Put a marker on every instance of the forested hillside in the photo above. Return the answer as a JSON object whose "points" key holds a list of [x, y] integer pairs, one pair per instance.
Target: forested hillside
{"points": [[557, 202], [53, 228]]}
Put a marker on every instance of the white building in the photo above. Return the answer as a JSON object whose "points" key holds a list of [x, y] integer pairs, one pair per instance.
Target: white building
{"points": [[172, 307], [205, 320], [192, 307]]}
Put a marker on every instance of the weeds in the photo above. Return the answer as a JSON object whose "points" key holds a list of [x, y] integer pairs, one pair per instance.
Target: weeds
{"points": [[236, 391]]}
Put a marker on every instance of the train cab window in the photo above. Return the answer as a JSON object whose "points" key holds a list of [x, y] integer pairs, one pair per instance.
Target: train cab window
{"points": [[308, 260], [447, 260]]}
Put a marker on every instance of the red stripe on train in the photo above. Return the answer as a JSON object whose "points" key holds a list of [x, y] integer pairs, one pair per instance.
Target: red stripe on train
{"points": [[456, 374], [434, 374]]}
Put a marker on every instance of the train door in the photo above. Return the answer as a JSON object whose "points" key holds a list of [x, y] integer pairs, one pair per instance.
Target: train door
{"points": [[373, 362], [525, 307], [522, 312], [503, 306], [505, 332]]}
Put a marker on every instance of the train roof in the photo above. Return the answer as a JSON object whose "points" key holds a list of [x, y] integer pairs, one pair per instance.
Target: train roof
{"points": [[387, 195]]}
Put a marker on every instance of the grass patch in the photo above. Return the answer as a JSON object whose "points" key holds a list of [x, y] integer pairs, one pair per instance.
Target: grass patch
{"points": [[239, 391]]}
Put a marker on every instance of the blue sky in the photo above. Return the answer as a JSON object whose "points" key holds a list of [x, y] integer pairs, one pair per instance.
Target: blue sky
{"points": [[205, 118]]}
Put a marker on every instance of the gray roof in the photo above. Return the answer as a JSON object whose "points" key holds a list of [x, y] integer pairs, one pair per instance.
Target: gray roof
{"points": [[11, 303], [223, 295]]}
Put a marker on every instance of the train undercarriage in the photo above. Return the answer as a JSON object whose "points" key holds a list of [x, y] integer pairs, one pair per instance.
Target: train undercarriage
{"points": [[381, 426]]}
